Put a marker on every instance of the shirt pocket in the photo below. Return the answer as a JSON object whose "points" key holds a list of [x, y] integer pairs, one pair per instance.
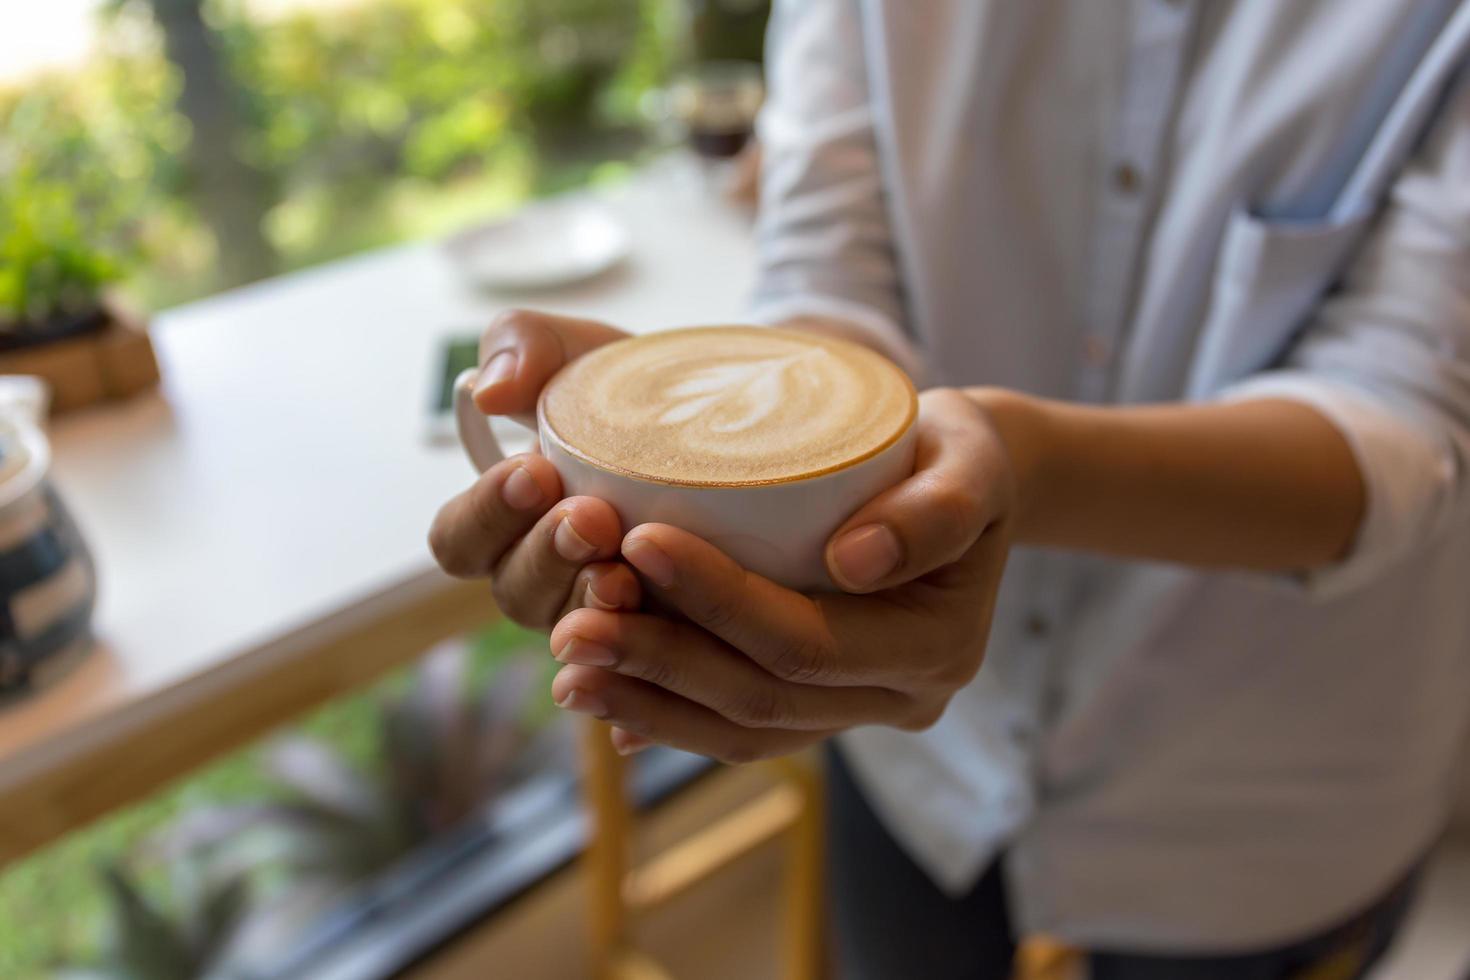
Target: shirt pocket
{"points": [[1268, 279]]}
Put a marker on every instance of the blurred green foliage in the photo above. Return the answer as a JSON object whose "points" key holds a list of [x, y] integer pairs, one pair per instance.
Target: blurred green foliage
{"points": [[87, 168], [721, 30], [364, 116], [433, 88], [50, 265]]}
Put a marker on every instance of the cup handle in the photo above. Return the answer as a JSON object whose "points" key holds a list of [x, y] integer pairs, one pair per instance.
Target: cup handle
{"points": [[474, 426]]}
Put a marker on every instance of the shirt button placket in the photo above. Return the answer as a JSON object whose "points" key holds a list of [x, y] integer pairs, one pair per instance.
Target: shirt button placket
{"points": [[1160, 41]]}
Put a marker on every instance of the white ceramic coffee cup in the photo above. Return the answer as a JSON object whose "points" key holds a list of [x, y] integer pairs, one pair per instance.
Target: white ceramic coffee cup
{"points": [[778, 530]]}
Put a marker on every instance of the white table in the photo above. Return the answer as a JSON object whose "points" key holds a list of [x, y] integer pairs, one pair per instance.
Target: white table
{"points": [[259, 524]]}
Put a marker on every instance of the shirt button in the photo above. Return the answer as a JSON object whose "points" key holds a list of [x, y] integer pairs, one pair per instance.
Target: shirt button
{"points": [[1095, 350], [1126, 178], [1037, 625]]}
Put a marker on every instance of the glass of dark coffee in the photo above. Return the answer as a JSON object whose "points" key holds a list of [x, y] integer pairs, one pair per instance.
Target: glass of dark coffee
{"points": [[715, 104]]}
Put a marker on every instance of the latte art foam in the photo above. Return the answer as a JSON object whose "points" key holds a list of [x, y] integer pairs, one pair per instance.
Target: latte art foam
{"points": [[728, 405]]}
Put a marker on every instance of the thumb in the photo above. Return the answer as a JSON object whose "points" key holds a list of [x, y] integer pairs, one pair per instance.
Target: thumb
{"points": [[522, 349], [961, 485]]}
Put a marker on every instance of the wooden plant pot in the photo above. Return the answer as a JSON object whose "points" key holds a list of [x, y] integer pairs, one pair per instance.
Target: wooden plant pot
{"points": [[113, 362]]}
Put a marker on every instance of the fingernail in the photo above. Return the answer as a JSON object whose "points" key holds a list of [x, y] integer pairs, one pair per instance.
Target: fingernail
{"points": [[499, 369], [520, 490], [595, 601], [580, 651], [651, 560], [627, 743], [864, 555], [584, 703], [569, 544]]}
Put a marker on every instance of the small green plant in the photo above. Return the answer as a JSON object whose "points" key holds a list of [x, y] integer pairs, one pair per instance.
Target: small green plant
{"points": [[51, 269], [188, 938]]}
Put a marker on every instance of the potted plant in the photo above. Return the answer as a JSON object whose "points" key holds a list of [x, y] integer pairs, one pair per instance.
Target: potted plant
{"points": [[55, 321]]}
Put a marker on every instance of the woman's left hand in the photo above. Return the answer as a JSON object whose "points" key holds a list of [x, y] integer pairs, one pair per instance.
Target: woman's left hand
{"points": [[754, 670]]}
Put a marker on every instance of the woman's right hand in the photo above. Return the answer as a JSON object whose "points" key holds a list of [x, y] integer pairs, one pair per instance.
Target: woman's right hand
{"points": [[544, 555]]}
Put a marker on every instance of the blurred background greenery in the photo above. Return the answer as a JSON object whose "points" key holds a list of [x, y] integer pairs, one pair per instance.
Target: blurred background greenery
{"points": [[208, 143]]}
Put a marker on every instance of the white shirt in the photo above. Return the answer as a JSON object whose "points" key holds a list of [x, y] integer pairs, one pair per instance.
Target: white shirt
{"points": [[1153, 201]]}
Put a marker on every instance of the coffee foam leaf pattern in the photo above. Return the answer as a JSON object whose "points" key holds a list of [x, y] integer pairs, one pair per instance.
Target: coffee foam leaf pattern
{"points": [[729, 405]]}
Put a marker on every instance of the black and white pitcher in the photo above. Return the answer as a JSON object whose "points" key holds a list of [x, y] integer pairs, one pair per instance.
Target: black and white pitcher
{"points": [[47, 580]]}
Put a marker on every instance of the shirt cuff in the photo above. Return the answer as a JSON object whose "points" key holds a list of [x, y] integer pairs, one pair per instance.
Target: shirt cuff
{"points": [[885, 333], [1408, 474]]}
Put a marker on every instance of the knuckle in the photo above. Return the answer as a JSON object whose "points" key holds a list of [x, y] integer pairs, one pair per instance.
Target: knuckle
{"points": [[758, 707], [442, 547], [799, 661], [644, 729], [517, 605], [722, 613], [954, 667], [923, 714], [940, 673], [451, 541], [954, 411], [482, 505], [656, 658], [660, 671], [953, 400], [954, 510], [959, 637], [540, 565], [511, 319]]}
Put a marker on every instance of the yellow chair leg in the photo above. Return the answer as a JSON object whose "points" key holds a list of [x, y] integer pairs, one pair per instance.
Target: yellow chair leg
{"points": [[605, 796], [806, 909]]}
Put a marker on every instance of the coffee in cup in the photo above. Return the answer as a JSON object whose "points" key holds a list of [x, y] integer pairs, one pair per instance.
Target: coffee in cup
{"points": [[728, 407]]}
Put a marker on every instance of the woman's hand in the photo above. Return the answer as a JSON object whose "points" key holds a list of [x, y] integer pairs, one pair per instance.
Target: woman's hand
{"points": [[544, 555], [753, 670]]}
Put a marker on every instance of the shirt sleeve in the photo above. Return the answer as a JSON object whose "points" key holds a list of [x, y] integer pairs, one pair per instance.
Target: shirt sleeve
{"points": [[823, 237], [1386, 358]]}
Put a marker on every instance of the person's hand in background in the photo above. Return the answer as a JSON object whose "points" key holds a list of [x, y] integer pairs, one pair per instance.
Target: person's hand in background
{"points": [[749, 669], [544, 555]]}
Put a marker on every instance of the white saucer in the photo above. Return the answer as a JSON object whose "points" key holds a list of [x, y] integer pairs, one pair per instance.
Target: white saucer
{"points": [[541, 246]]}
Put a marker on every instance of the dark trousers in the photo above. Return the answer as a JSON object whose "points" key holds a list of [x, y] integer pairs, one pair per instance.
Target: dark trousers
{"points": [[892, 923]]}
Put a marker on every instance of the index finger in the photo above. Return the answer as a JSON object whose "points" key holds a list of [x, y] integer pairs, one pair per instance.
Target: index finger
{"points": [[522, 349]]}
